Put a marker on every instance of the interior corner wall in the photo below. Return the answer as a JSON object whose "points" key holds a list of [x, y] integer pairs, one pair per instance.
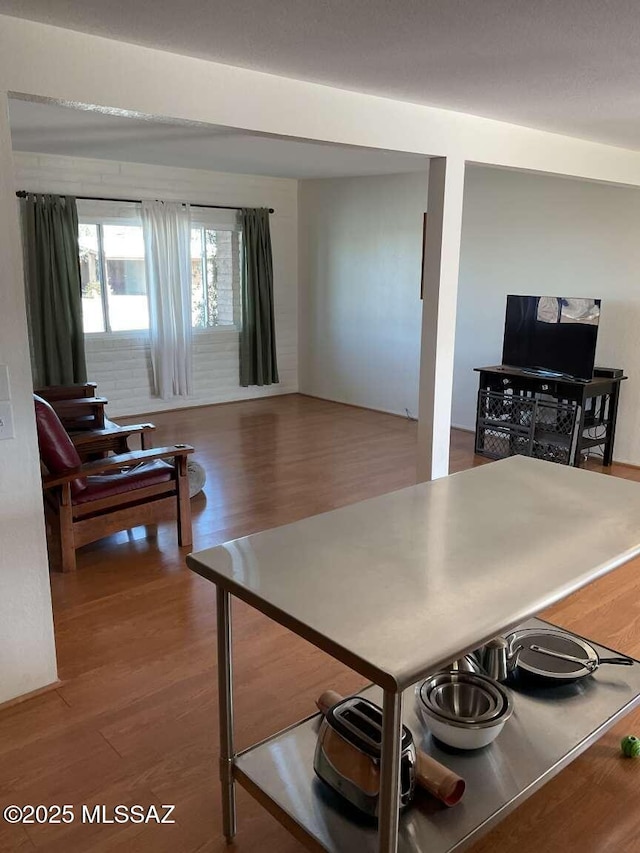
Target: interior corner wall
{"points": [[27, 649], [359, 271], [535, 234], [121, 362]]}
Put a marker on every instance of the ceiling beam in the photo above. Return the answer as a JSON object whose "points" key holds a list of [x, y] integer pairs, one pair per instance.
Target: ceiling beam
{"points": [[80, 69]]}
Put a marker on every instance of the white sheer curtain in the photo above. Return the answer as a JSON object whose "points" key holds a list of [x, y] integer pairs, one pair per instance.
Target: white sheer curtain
{"points": [[167, 244]]}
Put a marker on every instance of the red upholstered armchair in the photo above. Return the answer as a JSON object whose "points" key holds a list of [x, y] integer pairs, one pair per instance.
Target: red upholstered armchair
{"points": [[84, 502]]}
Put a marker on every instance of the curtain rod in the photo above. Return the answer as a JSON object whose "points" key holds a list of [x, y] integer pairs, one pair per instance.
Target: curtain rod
{"points": [[25, 193]]}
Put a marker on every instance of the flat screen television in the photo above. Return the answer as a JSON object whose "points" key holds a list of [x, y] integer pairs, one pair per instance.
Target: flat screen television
{"points": [[552, 335]]}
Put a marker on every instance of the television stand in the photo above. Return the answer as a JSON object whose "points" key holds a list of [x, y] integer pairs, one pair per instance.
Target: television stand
{"points": [[522, 412]]}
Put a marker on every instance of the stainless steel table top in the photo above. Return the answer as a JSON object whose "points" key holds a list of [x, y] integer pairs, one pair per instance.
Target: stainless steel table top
{"points": [[399, 585], [549, 728]]}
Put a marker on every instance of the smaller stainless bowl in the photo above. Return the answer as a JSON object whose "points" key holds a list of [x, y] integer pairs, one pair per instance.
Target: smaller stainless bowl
{"points": [[463, 701], [463, 697]]}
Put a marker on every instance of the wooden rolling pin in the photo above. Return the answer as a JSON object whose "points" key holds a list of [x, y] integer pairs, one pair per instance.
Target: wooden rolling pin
{"points": [[434, 777]]}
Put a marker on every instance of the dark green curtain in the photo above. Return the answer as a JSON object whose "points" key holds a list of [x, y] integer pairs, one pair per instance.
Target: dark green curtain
{"points": [[258, 364], [53, 289]]}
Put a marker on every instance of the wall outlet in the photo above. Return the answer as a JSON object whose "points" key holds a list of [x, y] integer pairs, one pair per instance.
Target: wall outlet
{"points": [[6, 421], [5, 392]]}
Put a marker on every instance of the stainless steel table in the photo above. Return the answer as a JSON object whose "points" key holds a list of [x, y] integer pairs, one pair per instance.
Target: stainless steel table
{"points": [[397, 586], [548, 730]]}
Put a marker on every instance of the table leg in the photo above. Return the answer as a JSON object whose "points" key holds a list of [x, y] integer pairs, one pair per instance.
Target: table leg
{"points": [[612, 416], [389, 806], [577, 455], [225, 704]]}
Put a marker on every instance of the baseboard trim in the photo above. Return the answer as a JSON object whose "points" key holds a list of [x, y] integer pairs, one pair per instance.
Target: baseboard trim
{"points": [[626, 465], [24, 697], [463, 429], [380, 411], [356, 406], [152, 414]]}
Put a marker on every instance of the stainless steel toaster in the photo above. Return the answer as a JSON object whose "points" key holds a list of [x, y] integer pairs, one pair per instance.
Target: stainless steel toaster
{"points": [[347, 756]]}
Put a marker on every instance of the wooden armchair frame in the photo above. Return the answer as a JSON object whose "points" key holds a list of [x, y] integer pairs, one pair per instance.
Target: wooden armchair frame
{"points": [[72, 525], [97, 443], [51, 393], [81, 413], [77, 406]]}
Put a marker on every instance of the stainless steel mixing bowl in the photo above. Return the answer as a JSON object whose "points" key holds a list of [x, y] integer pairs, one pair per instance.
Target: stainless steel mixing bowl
{"points": [[463, 709], [464, 697]]}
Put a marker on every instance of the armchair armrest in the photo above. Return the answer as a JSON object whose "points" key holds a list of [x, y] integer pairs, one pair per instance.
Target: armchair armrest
{"points": [[81, 413], [62, 406], [114, 463], [85, 439]]}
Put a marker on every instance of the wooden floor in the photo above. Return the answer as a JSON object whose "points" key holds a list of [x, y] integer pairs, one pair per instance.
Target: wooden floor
{"points": [[135, 718]]}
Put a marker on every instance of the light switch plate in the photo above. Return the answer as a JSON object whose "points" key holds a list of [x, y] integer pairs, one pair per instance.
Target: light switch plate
{"points": [[5, 391], [6, 421]]}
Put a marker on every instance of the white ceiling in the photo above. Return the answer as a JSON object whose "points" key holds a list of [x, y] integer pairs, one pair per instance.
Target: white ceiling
{"points": [[565, 65], [52, 129]]}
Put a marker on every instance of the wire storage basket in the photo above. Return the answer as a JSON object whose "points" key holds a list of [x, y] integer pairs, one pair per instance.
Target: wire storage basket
{"points": [[511, 424], [500, 442], [506, 409], [551, 452], [556, 418], [554, 428], [504, 426]]}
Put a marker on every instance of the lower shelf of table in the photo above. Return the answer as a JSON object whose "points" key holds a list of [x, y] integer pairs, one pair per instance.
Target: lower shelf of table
{"points": [[548, 730]]}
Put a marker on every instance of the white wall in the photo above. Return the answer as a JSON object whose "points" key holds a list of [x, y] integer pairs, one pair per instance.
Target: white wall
{"points": [[120, 362], [360, 311], [522, 233], [536, 234], [27, 652]]}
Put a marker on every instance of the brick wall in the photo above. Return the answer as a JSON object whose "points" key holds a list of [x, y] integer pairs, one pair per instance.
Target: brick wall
{"points": [[120, 362]]}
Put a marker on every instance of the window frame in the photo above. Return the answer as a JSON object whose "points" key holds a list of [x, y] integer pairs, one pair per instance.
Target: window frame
{"points": [[197, 224], [100, 213], [107, 212]]}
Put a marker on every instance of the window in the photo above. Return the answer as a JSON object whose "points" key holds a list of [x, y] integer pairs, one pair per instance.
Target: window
{"points": [[114, 290], [215, 277]]}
